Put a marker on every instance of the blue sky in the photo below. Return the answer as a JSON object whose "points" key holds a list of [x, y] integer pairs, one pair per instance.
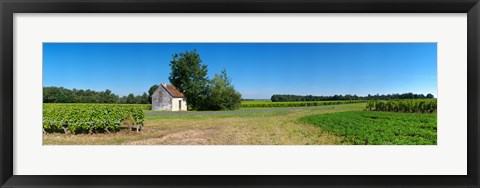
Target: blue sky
{"points": [[258, 70]]}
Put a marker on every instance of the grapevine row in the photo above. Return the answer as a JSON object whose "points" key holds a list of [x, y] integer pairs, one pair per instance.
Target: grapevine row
{"points": [[405, 105], [90, 118], [298, 104]]}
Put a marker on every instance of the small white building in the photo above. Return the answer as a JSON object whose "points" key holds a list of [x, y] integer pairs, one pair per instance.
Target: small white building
{"points": [[167, 97]]}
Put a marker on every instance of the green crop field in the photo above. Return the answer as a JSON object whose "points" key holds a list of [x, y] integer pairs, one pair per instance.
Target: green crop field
{"points": [[270, 101], [256, 101], [332, 124], [384, 128], [90, 118], [270, 104]]}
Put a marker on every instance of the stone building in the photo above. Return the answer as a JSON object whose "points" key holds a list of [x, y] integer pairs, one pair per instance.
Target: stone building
{"points": [[168, 98]]}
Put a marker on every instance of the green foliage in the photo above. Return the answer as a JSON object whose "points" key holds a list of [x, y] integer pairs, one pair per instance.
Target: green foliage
{"points": [[221, 93], [63, 95], [130, 99], [268, 104], [143, 106], [290, 98], [150, 92], [189, 76], [405, 105], [378, 128], [144, 99], [90, 118]]}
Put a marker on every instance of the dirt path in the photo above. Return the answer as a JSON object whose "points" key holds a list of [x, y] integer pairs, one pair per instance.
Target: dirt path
{"points": [[184, 137], [255, 130]]}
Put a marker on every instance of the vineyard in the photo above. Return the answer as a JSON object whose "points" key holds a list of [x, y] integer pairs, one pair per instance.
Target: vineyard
{"points": [[91, 118], [404, 105], [269, 104]]}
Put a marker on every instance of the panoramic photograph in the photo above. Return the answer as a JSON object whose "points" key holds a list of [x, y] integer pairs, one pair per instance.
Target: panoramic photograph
{"points": [[239, 94]]}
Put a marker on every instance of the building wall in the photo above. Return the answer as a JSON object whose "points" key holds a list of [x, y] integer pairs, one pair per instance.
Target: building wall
{"points": [[175, 104], [184, 104], [166, 101], [161, 102]]}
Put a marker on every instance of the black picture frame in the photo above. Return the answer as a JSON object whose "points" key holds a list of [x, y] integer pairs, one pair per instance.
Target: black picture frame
{"points": [[9, 7]]}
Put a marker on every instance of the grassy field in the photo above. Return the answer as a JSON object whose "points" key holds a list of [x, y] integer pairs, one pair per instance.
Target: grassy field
{"points": [[266, 126]]}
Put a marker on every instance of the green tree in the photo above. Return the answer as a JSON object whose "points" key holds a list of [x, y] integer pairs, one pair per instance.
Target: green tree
{"points": [[58, 95], [145, 99], [108, 97], [138, 99], [189, 75], [130, 99], [122, 100], [221, 93], [150, 92]]}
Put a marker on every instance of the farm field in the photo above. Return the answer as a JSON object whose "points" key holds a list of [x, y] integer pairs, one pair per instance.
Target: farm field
{"points": [[270, 104], [248, 126], [378, 128], [239, 93]]}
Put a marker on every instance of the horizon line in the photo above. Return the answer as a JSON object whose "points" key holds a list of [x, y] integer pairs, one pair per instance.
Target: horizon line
{"points": [[256, 98]]}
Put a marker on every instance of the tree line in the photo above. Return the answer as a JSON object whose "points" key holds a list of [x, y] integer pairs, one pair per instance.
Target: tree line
{"points": [[64, 95], [290, 98]]}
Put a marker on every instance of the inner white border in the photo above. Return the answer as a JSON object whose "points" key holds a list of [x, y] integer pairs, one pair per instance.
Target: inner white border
{"points": [[448, 157]]}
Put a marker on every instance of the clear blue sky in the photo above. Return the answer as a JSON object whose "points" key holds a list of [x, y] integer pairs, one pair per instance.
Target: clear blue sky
{"points": [[258, 70]]}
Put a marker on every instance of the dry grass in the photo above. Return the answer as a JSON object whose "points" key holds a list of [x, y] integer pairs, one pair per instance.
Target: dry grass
{"points": [[272, 128]]}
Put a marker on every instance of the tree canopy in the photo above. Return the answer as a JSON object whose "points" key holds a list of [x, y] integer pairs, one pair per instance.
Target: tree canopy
{"points": [[150, 92], [222, 94], [189, 75], [63, 95]]}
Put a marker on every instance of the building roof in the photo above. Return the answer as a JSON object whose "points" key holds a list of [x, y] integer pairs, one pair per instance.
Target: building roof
{"points": [[173, 91]]}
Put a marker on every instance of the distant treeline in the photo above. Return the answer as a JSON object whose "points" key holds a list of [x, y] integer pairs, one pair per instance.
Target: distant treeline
{"points": [[289, 98], [254, 99], [63, 95]]}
